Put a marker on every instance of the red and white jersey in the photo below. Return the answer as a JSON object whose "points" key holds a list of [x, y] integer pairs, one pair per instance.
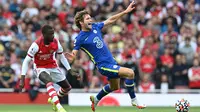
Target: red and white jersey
{"points": [[192, 72], [44, 55], [146, 87]]}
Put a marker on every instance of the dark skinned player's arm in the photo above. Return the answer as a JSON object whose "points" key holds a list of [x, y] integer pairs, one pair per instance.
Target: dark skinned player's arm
{"points": [[24, 71], [30, 54]]}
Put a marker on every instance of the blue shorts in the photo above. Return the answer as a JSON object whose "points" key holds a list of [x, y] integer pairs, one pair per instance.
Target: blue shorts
{"points": [[109, 70]]}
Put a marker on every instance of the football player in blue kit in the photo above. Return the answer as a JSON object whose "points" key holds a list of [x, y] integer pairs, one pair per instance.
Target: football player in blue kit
{"points": [[91, 42]]}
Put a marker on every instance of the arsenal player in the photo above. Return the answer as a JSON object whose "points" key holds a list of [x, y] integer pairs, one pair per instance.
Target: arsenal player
{"points": [[42, 52]]}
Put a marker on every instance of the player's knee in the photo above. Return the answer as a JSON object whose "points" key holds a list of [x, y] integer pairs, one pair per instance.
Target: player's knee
{"points": [[131, 74]]}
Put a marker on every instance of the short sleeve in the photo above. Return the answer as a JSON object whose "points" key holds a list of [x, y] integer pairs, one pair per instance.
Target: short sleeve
{"points": [[77, 44], [100, 25], [33, 50], [60, 48]]}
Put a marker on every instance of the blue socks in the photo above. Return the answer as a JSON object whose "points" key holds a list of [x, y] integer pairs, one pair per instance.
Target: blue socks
{"points": [[106, 90], [129, 83]]}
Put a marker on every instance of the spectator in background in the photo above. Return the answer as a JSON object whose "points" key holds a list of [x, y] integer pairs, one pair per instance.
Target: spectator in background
{"points": [[170, 31], [187, 50], [190, 16], [6, 75], [23, 49], [7, 14], [2, 56], [147, 62], [161, 75], [62, 36], [146, 85], [35, 24], [130, 63], [164, 85], [3, 20], [16, 66], [188, 34], [6, 34], [167, 59], [186, 31], [19, 29], [166, 38], [169, 19], [95, 83], [94, 8], [109, 6], [15, 8], [69, 19], [194, 75], [173, 49], [149, 43], [180, 70], [30, 11]]}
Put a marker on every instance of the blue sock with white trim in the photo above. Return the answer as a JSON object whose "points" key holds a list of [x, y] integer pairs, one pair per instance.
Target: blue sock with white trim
{"points": [[129, 83], [105, 90]]}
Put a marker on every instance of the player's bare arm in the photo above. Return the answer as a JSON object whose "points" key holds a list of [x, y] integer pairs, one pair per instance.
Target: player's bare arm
{"points": [[114, 18], [71, 56]]}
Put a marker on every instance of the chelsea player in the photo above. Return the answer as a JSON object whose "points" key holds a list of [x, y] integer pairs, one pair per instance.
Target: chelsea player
{"points": [[91, 42]]}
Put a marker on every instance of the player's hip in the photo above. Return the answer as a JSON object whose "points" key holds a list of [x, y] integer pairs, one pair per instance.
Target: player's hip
{"points": [[109, 69], [45, 64], [55, 73]]}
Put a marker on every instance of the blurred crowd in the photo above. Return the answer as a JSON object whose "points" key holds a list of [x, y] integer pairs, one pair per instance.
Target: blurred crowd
{"points": [[159, 40]]}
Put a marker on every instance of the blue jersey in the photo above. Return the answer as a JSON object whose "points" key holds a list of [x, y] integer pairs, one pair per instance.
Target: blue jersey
{"points": [[91, 42]]}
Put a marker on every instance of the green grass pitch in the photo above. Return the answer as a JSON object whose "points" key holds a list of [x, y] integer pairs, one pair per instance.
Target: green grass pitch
{"points": [[47, 108]]}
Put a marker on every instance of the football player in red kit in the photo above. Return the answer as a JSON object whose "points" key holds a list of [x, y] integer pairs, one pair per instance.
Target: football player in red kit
{"points": [[42, 52]]}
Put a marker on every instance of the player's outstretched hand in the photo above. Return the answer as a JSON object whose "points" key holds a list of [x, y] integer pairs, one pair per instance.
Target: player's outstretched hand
{"points": [[69, 56], [130, 7], [75, 73], [21, 84]]}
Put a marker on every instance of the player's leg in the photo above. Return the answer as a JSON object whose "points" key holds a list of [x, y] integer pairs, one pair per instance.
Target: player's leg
{"points": [[65, 87], [47, 80], [59, 78], [114, 84], [129, 83], [110, 71]]}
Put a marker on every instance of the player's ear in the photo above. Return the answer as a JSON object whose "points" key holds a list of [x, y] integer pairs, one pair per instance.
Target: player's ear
{"points": [[80, 22]]}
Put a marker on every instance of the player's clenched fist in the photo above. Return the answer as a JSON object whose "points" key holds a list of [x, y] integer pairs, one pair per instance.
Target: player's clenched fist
{"points": [[75, 73], [21, 84]]}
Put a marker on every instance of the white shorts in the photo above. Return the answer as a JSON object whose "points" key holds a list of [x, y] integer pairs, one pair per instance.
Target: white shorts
{"points": [[55, 73]]}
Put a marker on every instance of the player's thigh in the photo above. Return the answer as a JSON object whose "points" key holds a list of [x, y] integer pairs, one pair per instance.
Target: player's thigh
{"points": [[115, 83], [57, 75], [126, 72], [44, 75]]}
